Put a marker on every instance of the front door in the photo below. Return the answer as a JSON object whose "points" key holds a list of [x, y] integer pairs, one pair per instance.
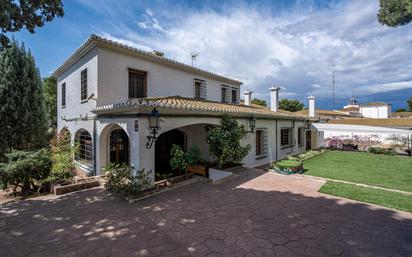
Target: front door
{"points": [[119, 147], [308, 140], [163, 146]]}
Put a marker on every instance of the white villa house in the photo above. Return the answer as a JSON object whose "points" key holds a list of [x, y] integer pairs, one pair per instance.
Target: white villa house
{"points": [[109, 92]]}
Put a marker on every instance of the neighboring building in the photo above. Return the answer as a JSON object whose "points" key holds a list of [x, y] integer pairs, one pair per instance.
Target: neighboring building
{"points": [[326, 124], [376, 110], [107, 91], [402, 115]]}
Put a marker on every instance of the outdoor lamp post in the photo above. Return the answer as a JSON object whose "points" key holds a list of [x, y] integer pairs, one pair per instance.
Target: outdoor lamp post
{"points": [[154, 118]]}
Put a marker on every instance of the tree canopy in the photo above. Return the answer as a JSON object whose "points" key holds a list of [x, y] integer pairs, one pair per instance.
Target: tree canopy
{"points": [[22, 108], [259, 102], [50, 97], [290, 105], [395, 13], [18, 14], [409, 102]]}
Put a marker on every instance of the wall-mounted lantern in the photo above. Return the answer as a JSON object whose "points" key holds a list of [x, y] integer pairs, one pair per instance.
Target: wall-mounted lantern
{"points": [[154, 118], [252, 123]]}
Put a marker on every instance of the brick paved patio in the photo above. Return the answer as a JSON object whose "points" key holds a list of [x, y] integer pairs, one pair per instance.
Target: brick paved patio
{"points": [[253, 214]]}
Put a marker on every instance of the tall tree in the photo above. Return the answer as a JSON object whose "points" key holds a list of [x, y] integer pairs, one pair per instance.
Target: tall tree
{"points": [[290, 105], [22, 108], [409, 102], [18, 14], [50, 97], [395, 13], [259, 101]]}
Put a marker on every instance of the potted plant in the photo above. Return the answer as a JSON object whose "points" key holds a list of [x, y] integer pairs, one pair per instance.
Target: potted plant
{"points": [[196, 162]]}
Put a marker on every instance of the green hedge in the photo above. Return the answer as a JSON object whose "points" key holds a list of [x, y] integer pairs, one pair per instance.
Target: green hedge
{"points": [[27, 170], [380, 150]]}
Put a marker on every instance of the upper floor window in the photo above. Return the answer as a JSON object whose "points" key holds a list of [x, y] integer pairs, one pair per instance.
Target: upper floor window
{"points": [[224, 94], [83, 83], [300, 136], [261, 147], [286, 136], [234, 96], [64, 94], [137, 84], [200, 89]]}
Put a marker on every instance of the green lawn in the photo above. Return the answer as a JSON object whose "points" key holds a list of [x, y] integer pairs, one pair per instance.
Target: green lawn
{"points": [[380, 197], [378, 170]]}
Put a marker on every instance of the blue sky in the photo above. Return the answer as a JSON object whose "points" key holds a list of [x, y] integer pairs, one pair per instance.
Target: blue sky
{"points": [[292, 44]]}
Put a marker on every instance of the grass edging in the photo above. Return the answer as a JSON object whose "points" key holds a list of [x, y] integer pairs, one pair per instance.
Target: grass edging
{"points": [[389, 199]]}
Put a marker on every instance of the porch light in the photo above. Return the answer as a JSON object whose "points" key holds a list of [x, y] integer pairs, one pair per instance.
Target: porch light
{"points": [[154, 118], [252, 123]]}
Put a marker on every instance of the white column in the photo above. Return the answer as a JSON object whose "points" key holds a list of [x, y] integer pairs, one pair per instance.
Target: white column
{"points": [[274, 98], [248, 97], [311, 106]]}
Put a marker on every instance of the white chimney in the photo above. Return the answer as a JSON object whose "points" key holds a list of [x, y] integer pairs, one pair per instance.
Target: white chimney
{"points": [[311, 106], [248, 97], [274, 98]]}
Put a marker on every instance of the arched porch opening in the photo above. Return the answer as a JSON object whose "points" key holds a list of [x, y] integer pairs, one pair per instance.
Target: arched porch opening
{"points": [[163, 147]]}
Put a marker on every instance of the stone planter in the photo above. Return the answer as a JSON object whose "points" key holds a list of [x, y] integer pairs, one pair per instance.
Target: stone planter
{"points": [[202, 170], [289, 171]]}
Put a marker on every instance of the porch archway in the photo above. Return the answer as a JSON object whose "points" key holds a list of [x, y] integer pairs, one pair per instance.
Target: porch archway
{"points": [[163, 146]]}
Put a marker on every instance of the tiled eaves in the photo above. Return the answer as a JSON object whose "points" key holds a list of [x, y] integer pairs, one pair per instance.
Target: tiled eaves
{"points": [[191, 104]]}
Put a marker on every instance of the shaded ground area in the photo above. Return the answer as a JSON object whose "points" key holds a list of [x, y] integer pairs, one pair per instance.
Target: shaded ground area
{"points": [[252, 214]]}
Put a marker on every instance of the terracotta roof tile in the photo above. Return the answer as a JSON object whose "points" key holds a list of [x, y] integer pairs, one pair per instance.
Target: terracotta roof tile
{"points": [[187, 103], [391, 122]]}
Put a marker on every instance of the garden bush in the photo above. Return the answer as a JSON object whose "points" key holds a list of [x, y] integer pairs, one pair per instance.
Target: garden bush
{"points": [[127, 181], [224, 142], [380, 150], [62, 152], [27, 170]]}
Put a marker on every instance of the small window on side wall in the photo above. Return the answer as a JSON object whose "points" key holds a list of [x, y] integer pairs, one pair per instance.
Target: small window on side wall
{"points": [[64, 94], [83, 85], [137, 84], [286, 137]]}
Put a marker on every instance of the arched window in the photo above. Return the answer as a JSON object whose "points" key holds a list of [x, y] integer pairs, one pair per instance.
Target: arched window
{"points": [[84, 155]]}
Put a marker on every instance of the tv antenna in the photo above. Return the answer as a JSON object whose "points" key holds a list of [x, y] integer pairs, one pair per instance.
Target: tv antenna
{"points": [[333, 87], [193, 55]]}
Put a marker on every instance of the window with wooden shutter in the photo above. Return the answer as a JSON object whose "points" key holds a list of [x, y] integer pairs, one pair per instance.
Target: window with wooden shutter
{"points": [[137, 84], [84, 153], [83, 85]]}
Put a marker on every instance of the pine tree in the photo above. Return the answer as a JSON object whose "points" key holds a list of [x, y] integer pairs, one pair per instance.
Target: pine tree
{"points": [[22, 107], [50, 97]]}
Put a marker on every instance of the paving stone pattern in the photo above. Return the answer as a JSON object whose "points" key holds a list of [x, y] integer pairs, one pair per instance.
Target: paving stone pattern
{"points": [[253, 214]]}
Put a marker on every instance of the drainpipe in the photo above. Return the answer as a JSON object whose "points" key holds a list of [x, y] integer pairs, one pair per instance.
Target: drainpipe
{"points": [[94, 147], [276, 140]]}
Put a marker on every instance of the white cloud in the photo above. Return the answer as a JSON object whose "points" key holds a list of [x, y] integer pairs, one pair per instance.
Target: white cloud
{"points": [[296, 50]]}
